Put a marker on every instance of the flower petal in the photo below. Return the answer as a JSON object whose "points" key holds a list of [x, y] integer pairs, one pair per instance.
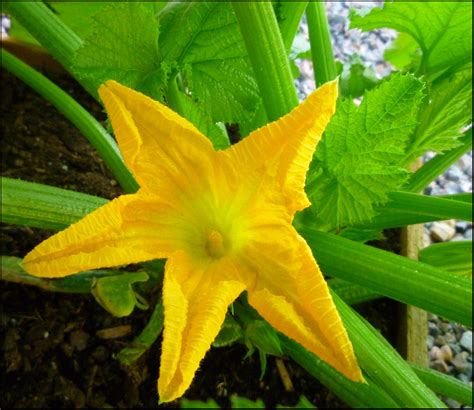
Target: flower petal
{"points": [[286, 146], [157, 144], [129, 229], [292, 295], [195, 301]]}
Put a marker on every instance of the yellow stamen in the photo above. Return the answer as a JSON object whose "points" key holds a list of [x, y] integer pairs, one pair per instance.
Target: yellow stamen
{"points": [[215, 244]]}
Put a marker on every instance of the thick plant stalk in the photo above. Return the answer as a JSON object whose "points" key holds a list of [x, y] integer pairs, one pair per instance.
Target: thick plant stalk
{"points": [[289, 26], [73, 111], [397, 277], [324, 65], [267, 55]]}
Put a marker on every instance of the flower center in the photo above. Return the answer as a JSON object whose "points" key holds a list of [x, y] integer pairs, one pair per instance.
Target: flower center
{"points": [[215, 244]]}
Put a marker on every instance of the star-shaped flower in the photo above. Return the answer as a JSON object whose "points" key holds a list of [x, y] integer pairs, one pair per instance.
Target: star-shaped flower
{"points": [[222, 219]]}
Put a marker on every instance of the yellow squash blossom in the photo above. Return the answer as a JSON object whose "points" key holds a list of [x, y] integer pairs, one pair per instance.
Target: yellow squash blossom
{"points": [[223, 219]]}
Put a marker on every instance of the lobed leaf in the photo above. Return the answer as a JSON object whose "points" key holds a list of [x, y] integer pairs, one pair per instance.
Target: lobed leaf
{"points": [[444, 115], [123, 47], [357, 161], [443, 30], [205, 41]]}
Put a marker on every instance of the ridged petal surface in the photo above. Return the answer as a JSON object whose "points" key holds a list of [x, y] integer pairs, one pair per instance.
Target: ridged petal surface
{"points": [[162, 149], [285, 147], [291, 294], [129, 229], [196, 301]]}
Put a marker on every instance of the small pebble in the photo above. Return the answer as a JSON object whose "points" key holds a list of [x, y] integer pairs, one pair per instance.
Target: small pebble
{"points": [[468, 234], [429, 342], [466, 340], [460, 361], [440, 366], [435, 353], [442, 232], [446, 353]]}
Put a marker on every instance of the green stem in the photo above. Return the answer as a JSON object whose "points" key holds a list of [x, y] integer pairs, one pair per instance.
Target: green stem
{"points": [[266, 51], [86, 123], [397, 277], [291, 21], [444, 384], [356, 395], [12, 271], [47, 28], [51, 33], [438, 165], [320, 39], [383, 364]]}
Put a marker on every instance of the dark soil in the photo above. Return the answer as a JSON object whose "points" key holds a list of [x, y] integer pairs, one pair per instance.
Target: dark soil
{"points": [[51, 353]]}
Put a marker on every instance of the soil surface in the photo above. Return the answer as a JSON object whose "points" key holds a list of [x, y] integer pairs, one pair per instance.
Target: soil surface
{"points": [[52, 355]]}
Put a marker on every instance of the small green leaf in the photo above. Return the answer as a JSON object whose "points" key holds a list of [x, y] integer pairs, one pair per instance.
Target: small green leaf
{"points": [[230, 332], [404, 53], [243, 403], [356, 78], [453, 257], [146, 338], [198, 404], [116, 295], [357, 161], [264, 337], [443, 30], [194, 113]]}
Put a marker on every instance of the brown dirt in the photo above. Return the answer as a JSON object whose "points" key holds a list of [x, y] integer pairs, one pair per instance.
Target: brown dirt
{"points": [[51, 354]]}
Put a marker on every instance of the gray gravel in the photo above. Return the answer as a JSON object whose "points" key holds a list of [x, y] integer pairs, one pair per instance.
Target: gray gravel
{"points": [[449, 344]]}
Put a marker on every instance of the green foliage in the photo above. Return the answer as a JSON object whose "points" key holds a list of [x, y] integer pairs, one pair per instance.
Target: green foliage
{"points": [[123, 47], [444, 115], [77, 16], [404, 53], [204, 41], [264, 337], [230, 332], [146, 338], [453, 257], [116, 295], [357, 161], [356, 78], [443, 30]]}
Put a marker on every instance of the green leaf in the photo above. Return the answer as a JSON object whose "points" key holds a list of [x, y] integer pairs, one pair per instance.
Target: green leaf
{"points": [[146, 338], [442, 29], [243, 403], [453, 257], [397, 277], [356, 78], [116, 295], [445, 114], [198, 404], [123, 47], [264, 337], [356, 163], [195, 114], [404, 53], [205, 41], [230, 332]]}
